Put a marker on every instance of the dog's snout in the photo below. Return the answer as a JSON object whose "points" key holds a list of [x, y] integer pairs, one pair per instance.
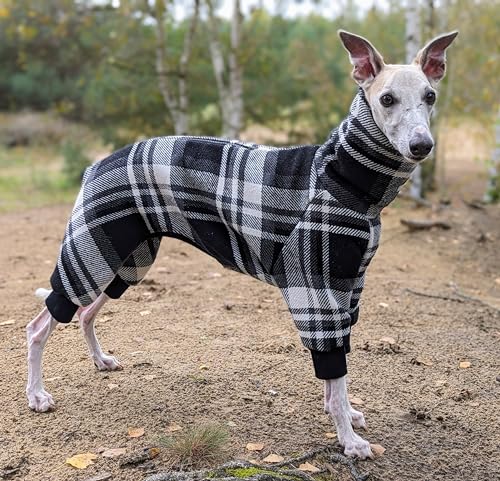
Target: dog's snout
{"points": [[421, 145]]}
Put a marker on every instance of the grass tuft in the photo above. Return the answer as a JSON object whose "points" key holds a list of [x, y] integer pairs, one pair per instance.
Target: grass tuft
{"points": [[197, 447]]}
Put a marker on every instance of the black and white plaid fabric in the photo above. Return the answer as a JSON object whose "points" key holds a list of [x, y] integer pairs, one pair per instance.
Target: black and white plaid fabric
{"points": [[305, 219]]}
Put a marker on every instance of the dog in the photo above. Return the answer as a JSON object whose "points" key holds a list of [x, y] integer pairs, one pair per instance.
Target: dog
{"points": [[305, 219]]}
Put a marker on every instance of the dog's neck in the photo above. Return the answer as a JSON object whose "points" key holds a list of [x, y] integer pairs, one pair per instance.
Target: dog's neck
{"points": [[358, 165]]}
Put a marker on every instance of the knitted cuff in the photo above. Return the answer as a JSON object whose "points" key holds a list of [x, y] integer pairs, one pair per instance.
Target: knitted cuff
{"points": [[331, 364], [60, 308], [116, 288]]}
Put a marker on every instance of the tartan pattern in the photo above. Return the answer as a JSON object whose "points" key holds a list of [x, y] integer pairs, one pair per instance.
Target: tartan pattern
{"points": [[305, 219]]}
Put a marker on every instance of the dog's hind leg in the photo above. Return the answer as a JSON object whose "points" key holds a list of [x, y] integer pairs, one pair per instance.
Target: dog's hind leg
{"points": [[339, 409], [87, 316], [37, 333]]}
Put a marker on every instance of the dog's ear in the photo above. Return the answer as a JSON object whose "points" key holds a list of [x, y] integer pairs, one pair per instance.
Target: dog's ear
{"points": [[364, 56], [432, 58]]}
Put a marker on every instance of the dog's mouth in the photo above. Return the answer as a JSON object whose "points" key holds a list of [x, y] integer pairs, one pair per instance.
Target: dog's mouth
{"points": [[416, 158]]}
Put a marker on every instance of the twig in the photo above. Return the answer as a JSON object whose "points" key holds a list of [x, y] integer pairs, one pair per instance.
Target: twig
{"points": [[434, 296], [414, 225], [475, 299], [262, 473]]}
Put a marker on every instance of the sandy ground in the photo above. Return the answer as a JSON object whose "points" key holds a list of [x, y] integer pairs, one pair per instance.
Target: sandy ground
{"points": [[217, 347]]}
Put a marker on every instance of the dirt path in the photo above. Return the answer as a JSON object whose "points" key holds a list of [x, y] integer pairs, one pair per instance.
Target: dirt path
{"points": [[437, 421]]}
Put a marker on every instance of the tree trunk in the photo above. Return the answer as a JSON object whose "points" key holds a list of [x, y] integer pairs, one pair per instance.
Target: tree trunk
{"points": [[412, 48], [493, 191], [177, 103], [230, 86]]}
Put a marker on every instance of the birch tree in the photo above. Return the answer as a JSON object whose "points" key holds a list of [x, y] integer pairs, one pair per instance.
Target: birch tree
{"points": [[493, 189], [412, 48], [175, 96], [228, 72]]}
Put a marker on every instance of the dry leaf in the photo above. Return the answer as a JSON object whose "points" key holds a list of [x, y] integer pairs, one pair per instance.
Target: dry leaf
{"points": [[9, 322], [383, 304], [330, 435], [377, 449], [112, 386], [273, 458], [135, 432], [255, 446], [144, 313], [173, 427], [310, 468], [114, 452], [357, 401], [203, 367], [388, 340], [464, 364], [422, 361], [153, 452], [81, 461]]}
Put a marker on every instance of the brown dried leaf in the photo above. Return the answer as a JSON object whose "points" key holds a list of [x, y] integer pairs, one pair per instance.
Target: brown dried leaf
{"points": [[113, 452], [81, 461], [255, 446], [153, 452], [173, 427], [464, 364], [377, 449], [357, 401], [388, 340], [135, 432], [112, 386], [308, 467], [330, 435], [273, 458]]}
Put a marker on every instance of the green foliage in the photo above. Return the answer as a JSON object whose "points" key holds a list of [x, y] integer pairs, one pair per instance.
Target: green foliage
{"points": [[74, 162]]}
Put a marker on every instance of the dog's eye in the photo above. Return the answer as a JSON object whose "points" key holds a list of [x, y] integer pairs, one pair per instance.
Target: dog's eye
{"points": [[387, 100], [430, 97]]}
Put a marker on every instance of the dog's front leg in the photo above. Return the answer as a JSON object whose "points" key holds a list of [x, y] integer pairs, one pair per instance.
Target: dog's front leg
{"points": [[87, 316], [37, 333], [337, 405]]}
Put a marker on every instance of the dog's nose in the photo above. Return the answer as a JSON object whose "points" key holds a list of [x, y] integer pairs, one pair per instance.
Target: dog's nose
{"points": [[421, 145]]}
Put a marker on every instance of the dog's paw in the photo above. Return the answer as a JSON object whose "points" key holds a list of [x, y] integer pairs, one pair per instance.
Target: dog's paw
{"points": [[357, 419], [107, 363], [358, 447], [40, 401]]}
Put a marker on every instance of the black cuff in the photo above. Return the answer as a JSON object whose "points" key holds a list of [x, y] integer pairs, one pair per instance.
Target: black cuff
{"points": [[331, 364], [60, 308], [116, 288]]}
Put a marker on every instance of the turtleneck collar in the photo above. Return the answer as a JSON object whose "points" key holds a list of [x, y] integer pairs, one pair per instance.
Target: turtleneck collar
{"points": [[358, 165]]}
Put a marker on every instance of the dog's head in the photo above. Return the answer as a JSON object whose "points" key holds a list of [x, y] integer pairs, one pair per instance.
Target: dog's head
{"points": [[401, 97]]}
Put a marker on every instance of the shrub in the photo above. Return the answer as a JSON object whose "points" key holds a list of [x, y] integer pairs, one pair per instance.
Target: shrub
{"points": [[75, 162]]}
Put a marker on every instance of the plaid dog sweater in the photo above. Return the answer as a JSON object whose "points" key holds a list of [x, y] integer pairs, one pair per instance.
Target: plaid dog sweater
{"points": [[305, 219]]}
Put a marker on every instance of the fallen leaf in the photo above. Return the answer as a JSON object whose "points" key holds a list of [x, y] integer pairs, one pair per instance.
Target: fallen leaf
{"points": [[144, 313], [464, 364], [9, 322], [255, 446], [388, 340], [112, 386], [203, 367], [377, 449], [422, 361], [135, 432], [330, 435], [273, 458], [113, 453], [308, 467], [173, 427], [81, 461], [383, 304], [153, 452], [357, 401]]}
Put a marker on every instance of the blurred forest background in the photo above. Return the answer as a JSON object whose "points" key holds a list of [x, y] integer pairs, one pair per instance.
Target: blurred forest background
{"points": [[80, 78]]}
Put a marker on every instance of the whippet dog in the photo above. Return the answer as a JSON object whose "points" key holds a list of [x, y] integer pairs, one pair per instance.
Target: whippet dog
{"points": [[305, 219]]}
